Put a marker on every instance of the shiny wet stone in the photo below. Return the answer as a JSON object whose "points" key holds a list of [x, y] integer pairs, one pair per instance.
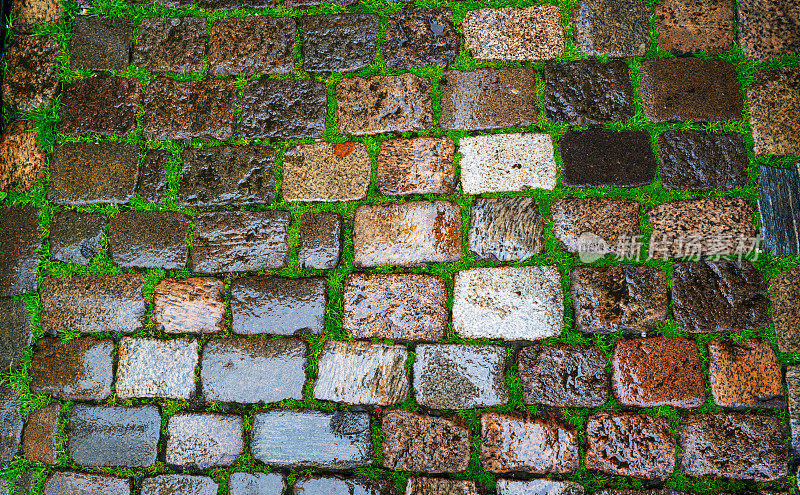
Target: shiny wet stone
{"points": [[189, 109], [283, 108], [22, 160], [250, 371], [334, 485], [431, 444], [15, 332], [100, 43], [562, 376], [439, 486], [326, 172], [384, 104], [93, 173], [20, 243], [10, 424], [153, 182], [601, 157], [72, 483], [29, 13], [171, 45], [699, 161], [156, 368], [419, 37], [328, 440], [506, 229], [251, 45], [587, 92], [419, 165], [30, 80], [613, 28], [775, 111], [204, 440], [320, 241], [79, 369], [101, 105], [539, 487], [530, 33], [596, 226], [257, 484], [768, 29], [339, 42], [779, 209], [149, 239], [784, 294], [745, 374], [113, 436], [278, 305], [793, 387], [691, 26], [178, 484], [39, 436], [75, 237], [192, 305]]}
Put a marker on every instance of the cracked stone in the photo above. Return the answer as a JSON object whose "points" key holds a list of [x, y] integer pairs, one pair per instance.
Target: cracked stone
{"points": [[784, 294], [419, 165], [153, 183], [149, 239], [156, 368], [284, 108], [20, 243], [75, 237], [71, 483], [339, 42], [595, 226], [698, 161], [278, 305], [745, 375], [192, 305], [100, 43], [419, 37], [384, 104], [171, 45], [530, 33], [587, 92], [769, 28], [10, 424], [320, 241], [257, 484], [22, 159], [601, 157], [39, 436], [431, 444], [113, 436], [79, 369], [506, 229], [31, 80], [563, 376], [15, 332], [101, 105], [93, 173], [540, 487], [333, 485], [691, 26], [775, 111], [326, 172], [612, 28], [177, 484], [251, 45], [189, 109], [779, 210], [204, 440], [437, 486]]}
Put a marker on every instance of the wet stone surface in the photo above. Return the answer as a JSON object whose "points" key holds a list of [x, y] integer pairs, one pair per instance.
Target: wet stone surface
{"points": [[251, 45], [100, 43], [80, 369], [278, 305], [607, 224], [21, 157], [403, 306], [420, 165], [189, 109], [171, 45], [779, 209], [257, 484], [192, 305], [10, 424], [784, 294], [39, 436], [153, 183], [204, 440], [691, 26], [540, 487], [698, 161], [417, 442], [156, 368], [177, 484], [75, 237], [283, 108], [29, 13], [769, 28], [72, 483], [333, 485], [775, 111], [93, 173], [339, 42], [793, 387], [506, 229], [613, 28], [15, 332], [745, 375], [601, 157], [30, 80], [326, 172], [563, 376], [587, 92], [530, 33], [102, 105], [149, 239], [328, 440], [113, 436], [454, 376], [383, 104], [252, 371], [438, 486], [418, 37], [320, 241], [20, 243]]}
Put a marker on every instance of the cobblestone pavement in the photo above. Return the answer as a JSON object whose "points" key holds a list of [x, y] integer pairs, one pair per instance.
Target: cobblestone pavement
{"points": [[436, 248]]}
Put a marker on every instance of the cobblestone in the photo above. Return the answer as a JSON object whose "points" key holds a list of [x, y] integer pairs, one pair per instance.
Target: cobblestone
{"points": [[10, 424], [257, 484], [419, 37], [506, 229], [793, 387], [76, 237], [251, 45], [149, 239], [15, 332], [80, 369], [420, 165], [177, 484], [339, 42], [700, 162], [113, 436], [204, 440], [153, 184], [278, 305], [326, 172], [438, 486], [193, 305], [102, 105], [612, 28], [72, 483], [383, 104], [507, 162], [155, 368], [587, 92], [20, 244], [775, 111], [530, 33], [39, 435], [22, 160], [601, 157], [333, 485], [610, 223], [416, 442], [768, 29], [29, 13], [189, 109], [320, 241], [745, 375], [540, 487], [171, 45], [562, 376], [784, 294], [30, 80], [100, 43], [691, 26], [778, 205], [283, 108], [93, 173]]}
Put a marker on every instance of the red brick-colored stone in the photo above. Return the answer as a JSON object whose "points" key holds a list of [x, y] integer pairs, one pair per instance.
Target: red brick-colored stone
{"points": [[21, 157], [745, 375], [189, 109], [30, 79], [689, 26], [80, 369], [192, 305]]}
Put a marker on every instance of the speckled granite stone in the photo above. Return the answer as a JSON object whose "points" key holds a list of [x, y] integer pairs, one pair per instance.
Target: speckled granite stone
{"points": [[779, 209], [563, 376], [784, 294], [176, 44], [507, 162], [417, 37], [745, 375], [175, 484], [538, 487], [611, 222], [337, 485], [430, 444], [204, 440], [150, 367], [690, 26], [587, 92], [506, 229], [257, 484], [31, 80], [775, 111], [326, 172], [438, 486], [29, 13], [100, 43], [602, 157], [22, 159], [530, 33], [613, 28], [698, 161], [339, 42], [10, 424], [73, 483], [251, 45], [383, 104], [769, 28], [422, 165]]}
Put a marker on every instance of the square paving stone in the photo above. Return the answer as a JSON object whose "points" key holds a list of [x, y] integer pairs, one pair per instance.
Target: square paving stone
{"points": [[339, 42], [562, 376], [113, 436], [75, 237], [79, 369], [362, 373], [320, 241], [156, 368], [94, 303], [784, 294], [334, 485], [326, 172], [769, 28], [409, 437], [510, 303], [10, 424], [689, 88], [734, 445], [587, 92], [227, 175], [384, 104], [189, 109], [101, 105], [721, 296], [541, 487], [595, 226], [651, 372], [204, 440], [15, 332], [257, 484], [775, 111], [507, 162], [179, 484], [326, 440], [149, 239], [455, 376], [251, 45], [514, 443], [601, 157], [284, 108], [430, 486], [250, 371], [407, 234], [530, 33], [698, 161], [506, 229], [691, 26], [31, 80], [278, 305], [488, 98], [93, 173], [153, 183], [30, 13], [20, 243], [171, 45], [72, 483], [39, 435], [192, 305], [612, 28], [417, 37], [22, 159], [229, 241], [420, 165], [628, 444], [745, 375], [100, 43], [779, 209]]}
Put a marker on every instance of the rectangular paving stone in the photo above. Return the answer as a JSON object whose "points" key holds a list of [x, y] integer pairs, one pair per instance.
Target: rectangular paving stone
{"points": [[257, 484], [326, 172], [175, 44], [192, 305], [784, 295], [407, 234], [699, 161], [156, 368], [229, 241], [29, 13], [251, 45], [175, 484], [421, 165], [775, 111], [529, 33], [100, 43], [779, 210], [101, 105], [149, 239], [409, 436], [15, 332], [506, 229], [612, 28], [335, 485], [326, 440], [379, 104], [793, 387], [153, 184], [563, 376], [488, 98], [745, 375], [189, 109], [587, 92], [93, 173], [691, 26], [438, 486], [30, 80], [79, 369], [601, 157], [72, 483], [417, 37], [320, 241], [339, 42], [204, 440], [75, 237], [768, 29], [113, 436], [10, 424], [284, 108], [251, 371], [514, 443], [507, 162], [20, 243], [39, 435], [541, 487], [22, 159], [596, 226], [278, 305]]}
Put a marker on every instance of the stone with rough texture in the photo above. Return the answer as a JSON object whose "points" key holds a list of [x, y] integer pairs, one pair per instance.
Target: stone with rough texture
{"points": [[628, 444], [775, 111], [384, 104], [72, 483], [39, 436], [179, 484], [438, 486], [278, 305], [455, 376], [79, 369], [430, 444], [189, 109], [320, 241], [10, 424], [539, 487], [421, 165], [149, 239], [31, 79], [250, 371], [326, 172], [745, 375], [228, 241], [488, 98], [769, 28], [587, 92], [784, 295], [156, 368], [251, 45], [21, 157], [93, 173], [506, 229], [407, 234], [20, 243], [326, 440], [15, 333], [204, 440], [734, 445], [192, 305], [602, 157], [613, 28], [153, 183], [171, 45], [793, 387], [334, 485], [101, 105], [562, 376], [507, 162], [113, 436], [691, 26], [597, 225], [779, 210], [530, 33], [29, 13], [339, 42], [651, 372], [699, 161], [257, 484], [100, 43], [419, 37], [283, 108], [75, 237]]}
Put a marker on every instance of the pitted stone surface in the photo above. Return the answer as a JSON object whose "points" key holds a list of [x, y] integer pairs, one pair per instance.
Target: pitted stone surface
{"points": [[587, 92], [278, 305], [613, 28], [171, 45], [39, 436], [113, 436], [79, 369], [75, 237], [21, 157], [179, 484], [156, 368], [339, 42], [204, 440], [611, 223], [691, 26], [769, 28], [257, 484], [29, 13], [775, 111], [189, 109], [793, 387], [530, 33], [20, 243], [102, 105], [149, 239], [601, 157], [72, 483], [779, 209], [699, 161], [326, 172], [10, 424], [384, 104], [506, 229], [438, 486], [283, 108], [417, 442], [320, 241], [417, 37], [192, 305], [251, 45], [30, 80], [93, 173], [745, 375], [562, 376], [100, 43], [539, 487], [420, 165], [333, 485], [15, 332], [507, 162], [153, 183], [784, 294]]}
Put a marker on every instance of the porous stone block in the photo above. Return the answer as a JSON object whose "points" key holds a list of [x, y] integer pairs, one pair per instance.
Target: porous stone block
{"points": [[79, 369], [73, 483], [699, 161], [417, 37], [596, 226], [30, 80], [75, 237], [793, 387], [339, 42], [10, 424], [784, 295], [562, 376], [602, 157], [20, 243], [422, 165], [100, 43], [540, 487], [204, 440], [379, 104], [182, 110], [775, 111], [175, 44], [335, 485], [431, 444], [192, 305], [21, 157], [278, 305], [178, 484], [320, 241], [251, 45], [156, 368], [612, 28], [769, 29], [93, 173], [513, 33], [326, 172], [113, 436], [153, 184], [747, 375], [149, 239], [439, 486], [587, 92], [39, 435], [30, 13], [283, 108], [691, 26], [101, 105], [257, 484]]}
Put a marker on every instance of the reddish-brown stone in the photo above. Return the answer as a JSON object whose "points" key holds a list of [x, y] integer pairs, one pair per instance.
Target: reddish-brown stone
{"points": [[579, 223], [437, 486], [320, 241], [93, 173], [251, 45], [100, 43], [189, 109], [769, 28], [79, 369], [784, 295], [745, 375], [149, 239], [384, 104], [171, 45], [29, 13], [416, 166], [416, 442], [30, 79], [775, 111], [101, 105], [20, 243], [192, 305], [21, 157], [689, 26], [39, 436]]}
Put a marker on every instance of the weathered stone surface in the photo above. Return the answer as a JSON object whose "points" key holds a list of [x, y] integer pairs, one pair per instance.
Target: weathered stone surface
{"points": [[178, 484], [507, 162], [512, 443], [153, 182], [657, 371], [39, 436], [228, 241], [30, 78], [320, 241], [402, 306], [506, 229], [587, 92], [362, 373], [10, 424], [252, 371], [784, 295], [176, 44], [20, 243], [100, 43], [332, 485], [602, 157], [613, 28], [629, 444], [257, 484], [721, 296], [156, 368], [420, 165], [328, 440], [562, 376], [283, 108], [734, 445], [690, 26], [326, 172], [72, 483], [339, 42], [75, 237], [96, 303], [775, 111], [595, 226], [407, 234], [29, 13], [149, 239], [278, 305], [779, 209], [437, 486], [687, 88], [416, 442], [454, 376], [93, 173], [21, 157], [251, 45], [769, 28], [192, 305], [745, 375], [384, 104], [113, 436], [488, 98], [101, 105], [530, 33], [793, 387], [699, 161], [417, 37], [204, 440], [79, 369], [540, 487], [189, 109], [15, 333]]}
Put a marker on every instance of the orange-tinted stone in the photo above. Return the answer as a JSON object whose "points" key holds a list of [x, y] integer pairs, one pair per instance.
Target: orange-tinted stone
{"points": [[421, 165], [745, 375]]}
